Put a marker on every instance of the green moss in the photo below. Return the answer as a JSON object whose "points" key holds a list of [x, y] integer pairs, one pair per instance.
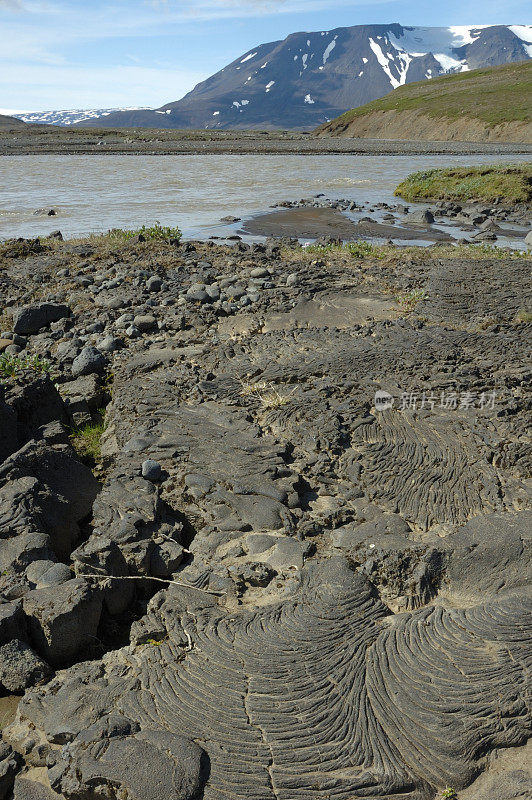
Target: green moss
{"points": [[512, 184]]}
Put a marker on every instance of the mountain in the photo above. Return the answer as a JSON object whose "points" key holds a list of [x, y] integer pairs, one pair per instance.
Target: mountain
{"points": [[10, 122], [69, 117], [493, 104], [309, 78]]}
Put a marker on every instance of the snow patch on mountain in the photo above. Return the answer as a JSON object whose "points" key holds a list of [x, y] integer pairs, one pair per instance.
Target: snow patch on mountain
{"points": [[328, 50], [524, 32], [72, 116], [383, 61]]}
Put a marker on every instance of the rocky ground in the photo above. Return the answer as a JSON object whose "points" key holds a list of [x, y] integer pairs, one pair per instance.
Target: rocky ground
{"points": [[264, 582], [41, 139]]}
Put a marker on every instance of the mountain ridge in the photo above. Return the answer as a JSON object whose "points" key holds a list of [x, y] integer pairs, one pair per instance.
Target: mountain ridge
{"points": [[309, 78]]}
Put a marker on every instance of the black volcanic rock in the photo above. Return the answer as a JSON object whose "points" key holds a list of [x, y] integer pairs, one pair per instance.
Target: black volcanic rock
{"points": [[309, 78]]}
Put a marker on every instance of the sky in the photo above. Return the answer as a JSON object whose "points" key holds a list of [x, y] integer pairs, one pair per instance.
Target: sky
{"points": [[81, 54]]}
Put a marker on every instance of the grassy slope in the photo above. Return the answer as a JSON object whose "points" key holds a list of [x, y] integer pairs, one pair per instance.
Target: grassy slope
{"points": [[484, 184], [494, 95]]}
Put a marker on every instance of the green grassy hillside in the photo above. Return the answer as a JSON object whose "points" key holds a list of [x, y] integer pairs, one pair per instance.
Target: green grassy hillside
{"points": [[496, 96]]}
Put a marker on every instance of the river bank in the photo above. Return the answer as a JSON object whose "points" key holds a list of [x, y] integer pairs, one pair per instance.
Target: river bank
{"points": [[35, 140]]}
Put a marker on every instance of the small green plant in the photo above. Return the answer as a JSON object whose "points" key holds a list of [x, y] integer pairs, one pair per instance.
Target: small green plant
{"points": [[408, 301], [523, 315], [86, 440], [449, 794], [360, 249], [157, 642], [11, 365], [153, 232], [322, 249]]}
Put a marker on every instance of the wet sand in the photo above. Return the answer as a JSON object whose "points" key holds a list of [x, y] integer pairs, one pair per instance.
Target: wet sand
{"points": [[312, 223]]}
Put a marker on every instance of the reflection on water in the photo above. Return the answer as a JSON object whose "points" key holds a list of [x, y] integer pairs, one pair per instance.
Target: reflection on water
{"points": [[95, 193]]}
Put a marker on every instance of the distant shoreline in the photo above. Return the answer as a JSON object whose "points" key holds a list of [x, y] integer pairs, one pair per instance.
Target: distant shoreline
{"points": [[47, 140]]}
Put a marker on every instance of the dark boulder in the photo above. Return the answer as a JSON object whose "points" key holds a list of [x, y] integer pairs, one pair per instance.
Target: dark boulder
{"points": [[30, 319]]}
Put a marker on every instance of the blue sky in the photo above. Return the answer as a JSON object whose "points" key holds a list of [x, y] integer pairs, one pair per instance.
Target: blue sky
{"points": [[57, 54]]}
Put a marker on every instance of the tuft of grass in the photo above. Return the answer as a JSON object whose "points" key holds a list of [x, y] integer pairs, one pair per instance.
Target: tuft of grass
{"points": [[472, 251], [86, 440], [267, 393], [358, 249], [408, 301], [155, 232], [322, 249], [523, 315], [361, 249], [12, 365], [512, 184]]}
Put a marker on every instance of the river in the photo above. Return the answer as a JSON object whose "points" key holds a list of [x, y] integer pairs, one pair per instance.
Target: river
{"points": [[93, 193]]}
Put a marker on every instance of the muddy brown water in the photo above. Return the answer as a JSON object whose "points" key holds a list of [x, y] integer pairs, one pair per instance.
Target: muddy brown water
{"points": [[98, 192]]}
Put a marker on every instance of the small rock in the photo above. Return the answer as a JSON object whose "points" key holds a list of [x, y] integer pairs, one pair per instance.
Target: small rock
{"points": [[213, 292], [133, 332], [30, 319], [12, 622], [21, 667], [110, 344], [259, 272], [95, 327], [63, 619], [9, 766], [151, 470], [154, 284], [144, 322], [421, 217], [89, 361], [259, 543]]}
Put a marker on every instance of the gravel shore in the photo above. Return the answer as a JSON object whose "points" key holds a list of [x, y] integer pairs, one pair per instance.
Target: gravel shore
{"points": [[47, 139]]}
